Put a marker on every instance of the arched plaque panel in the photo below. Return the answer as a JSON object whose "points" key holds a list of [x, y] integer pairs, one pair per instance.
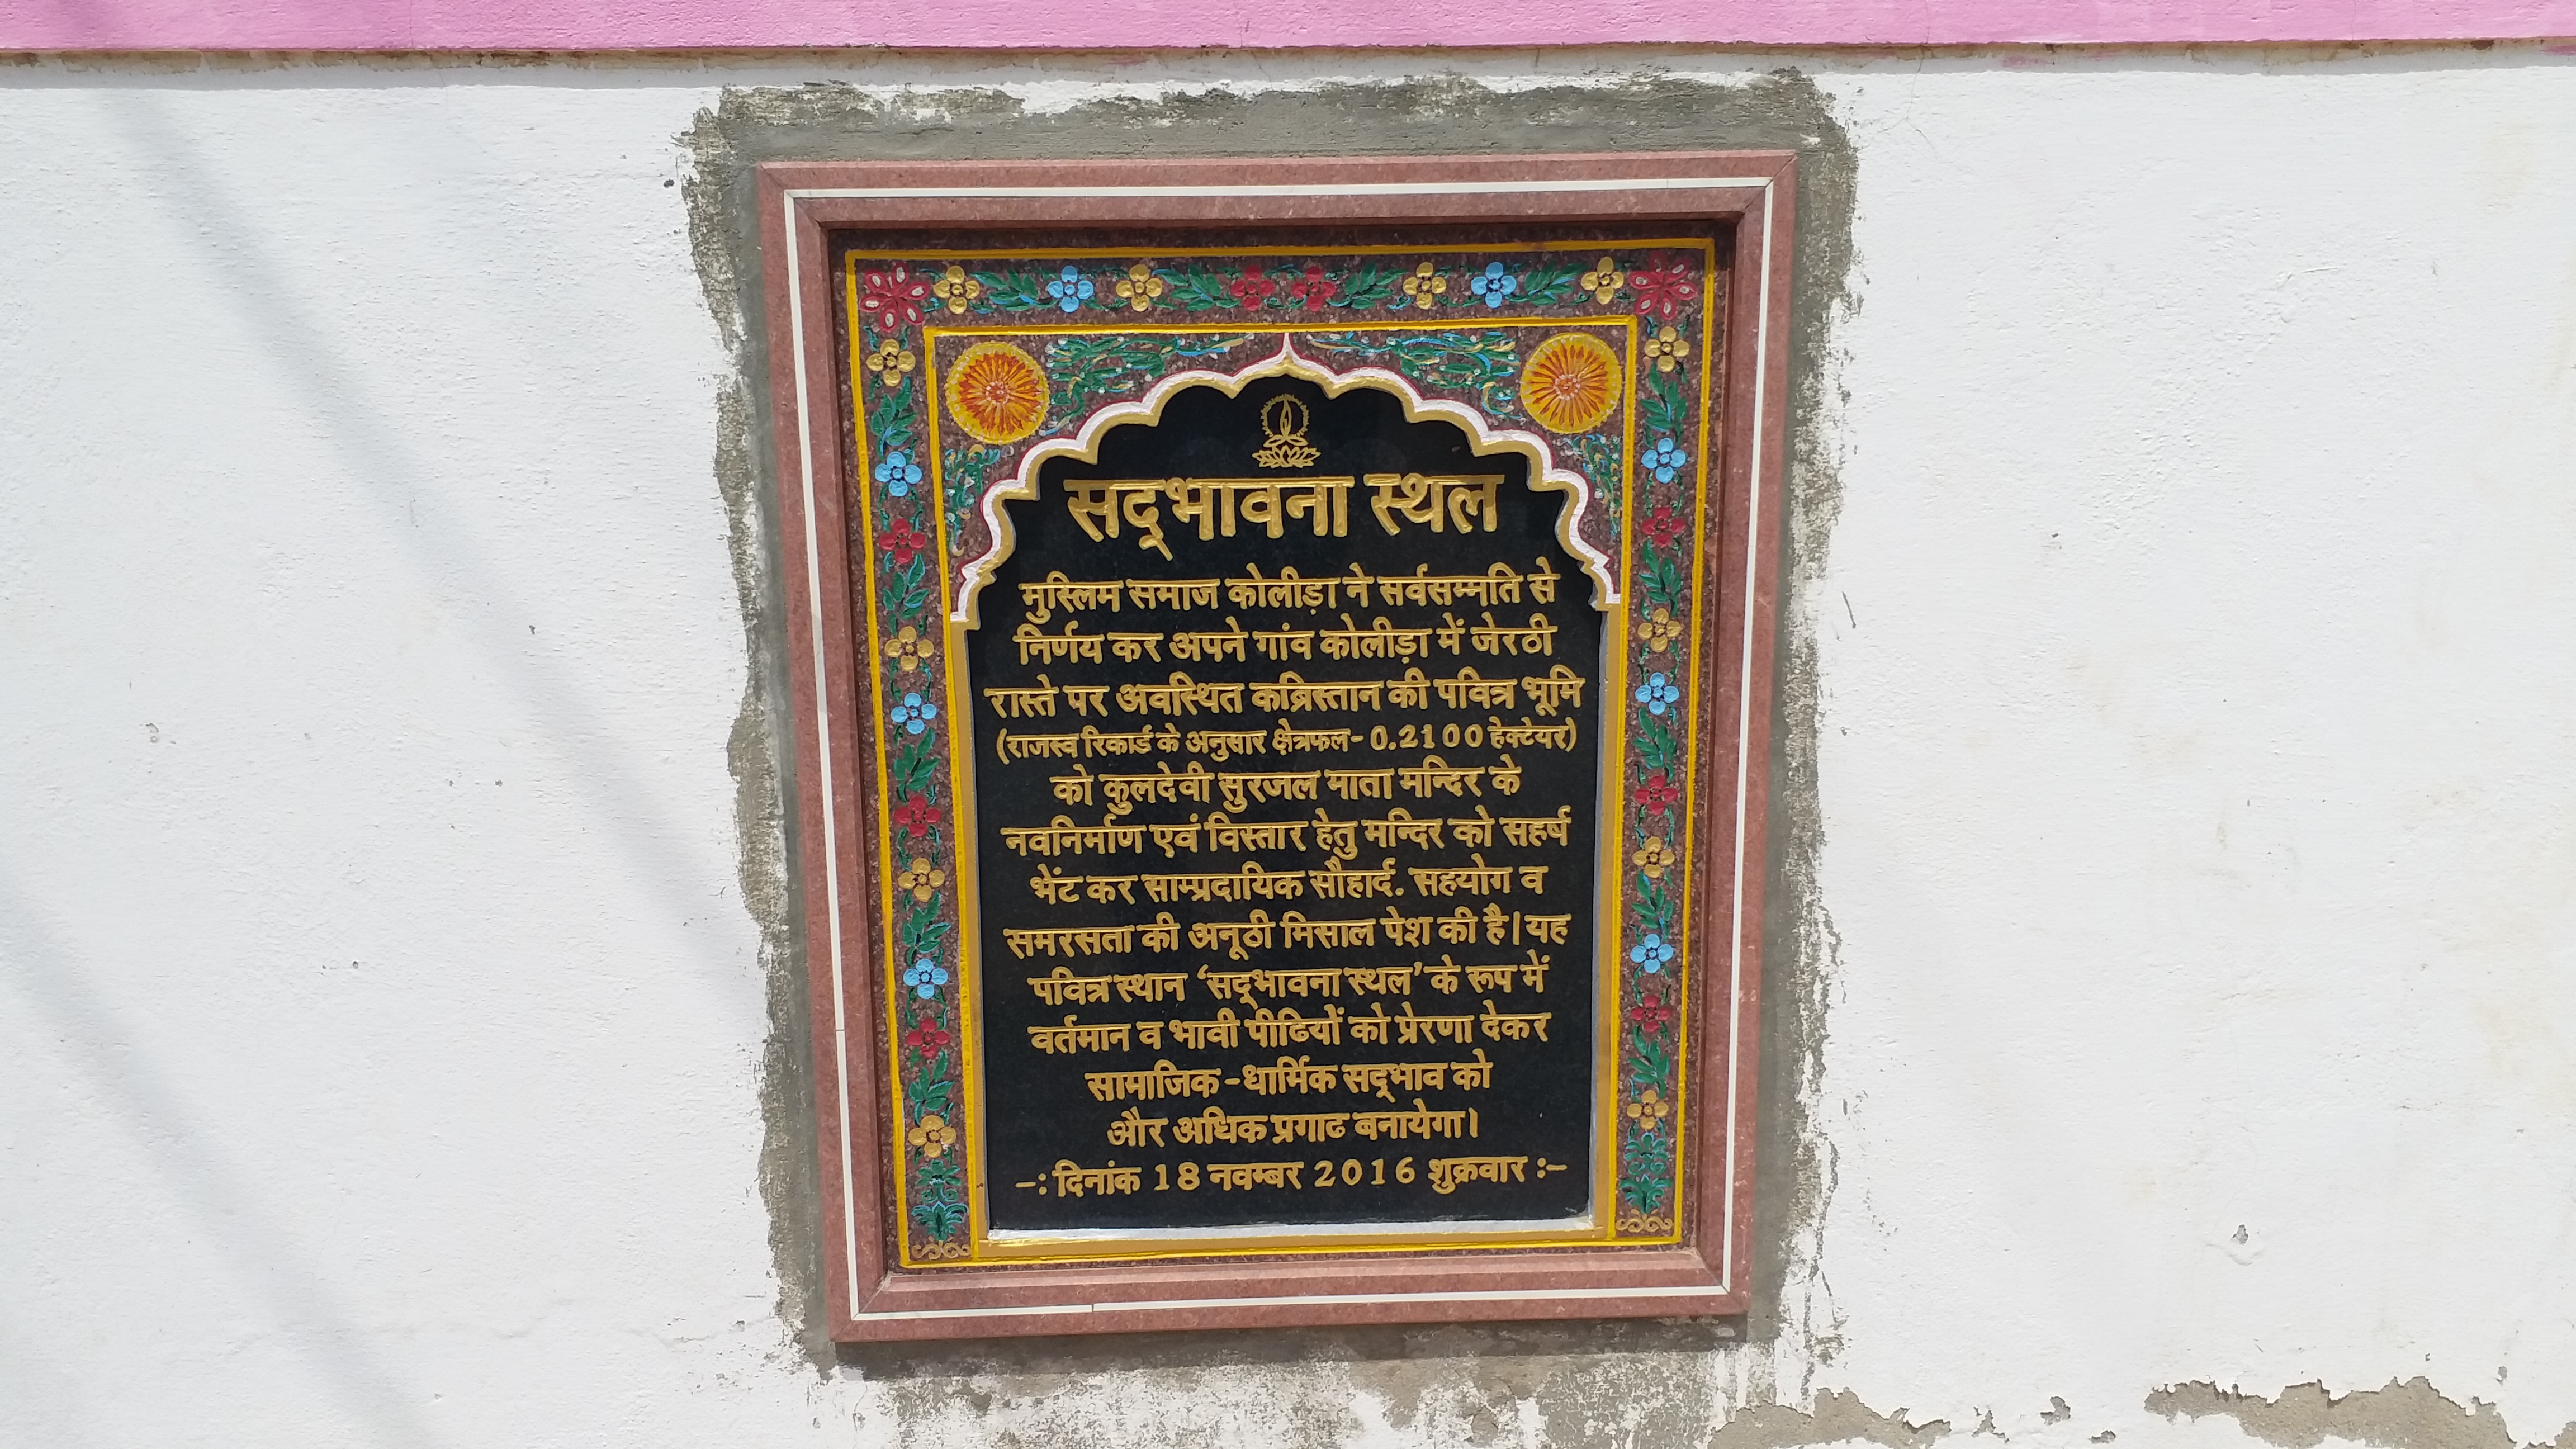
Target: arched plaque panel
{"points": [[1334, 879]]}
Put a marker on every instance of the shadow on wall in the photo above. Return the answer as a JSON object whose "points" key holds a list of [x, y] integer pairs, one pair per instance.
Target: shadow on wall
{"points": [[401, 490], [310, 1316]]}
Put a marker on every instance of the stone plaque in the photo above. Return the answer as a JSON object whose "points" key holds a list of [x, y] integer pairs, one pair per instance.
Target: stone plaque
{"points": [[1294, 758]]}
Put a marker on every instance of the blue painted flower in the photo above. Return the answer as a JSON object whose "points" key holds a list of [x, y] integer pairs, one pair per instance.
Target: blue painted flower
{"points": [[927, 976], [1651, 954], [1665, 460], [915, 713], [1493, 286], [898, 472], [1070, 289], [1657, 694]]}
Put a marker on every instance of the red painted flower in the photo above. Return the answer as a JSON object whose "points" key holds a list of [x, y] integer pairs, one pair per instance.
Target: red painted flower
{"points": [[1314, 289], [901, 541], [893, 298], [1662, 525], [1662, 288], [1656, 794], [1251, 289], [927, 1038], [1651, 1015], [917, 816]]}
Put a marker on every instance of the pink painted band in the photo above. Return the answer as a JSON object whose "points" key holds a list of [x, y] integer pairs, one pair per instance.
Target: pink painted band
{"points": [[630, 25]]}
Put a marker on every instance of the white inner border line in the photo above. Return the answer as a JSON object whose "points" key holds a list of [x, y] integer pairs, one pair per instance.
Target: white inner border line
{"points": [[822, 693], [1319, 188], [1744, 745], [823, 738]]}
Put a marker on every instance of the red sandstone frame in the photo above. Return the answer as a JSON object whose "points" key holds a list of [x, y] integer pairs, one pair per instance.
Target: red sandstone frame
{"points": [[1748, 195]]}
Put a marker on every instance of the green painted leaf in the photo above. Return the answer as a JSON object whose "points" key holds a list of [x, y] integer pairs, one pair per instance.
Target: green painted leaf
{"points": [[924, 930], [1545, 285], [963, 479], [891, 421], [936, 1174], [1486, 363], [932, 1096], [1082, 370], [916, 585], [1014, 291], [938, 1220], [904, 588], [1199, 291], [1653, 1065], [1371, 286], [1660, 576], [913, 765], [1654, 910], [1663, 406], [1651, 742], [1597, 454], [1646, 1169]]}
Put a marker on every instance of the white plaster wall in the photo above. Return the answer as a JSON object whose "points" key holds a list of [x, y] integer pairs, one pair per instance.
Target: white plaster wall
{"points": [[380, 1018]]}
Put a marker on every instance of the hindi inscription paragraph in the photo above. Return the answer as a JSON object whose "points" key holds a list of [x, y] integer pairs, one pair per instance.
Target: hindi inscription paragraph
{"points": [[1286, 731]]}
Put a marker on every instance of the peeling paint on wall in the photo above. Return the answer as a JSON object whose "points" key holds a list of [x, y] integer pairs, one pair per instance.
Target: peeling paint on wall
{"points": [[2411, 1415], [1838, 1418]]}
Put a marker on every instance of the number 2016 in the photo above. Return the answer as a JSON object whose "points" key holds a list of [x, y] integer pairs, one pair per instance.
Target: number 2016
{"points": [[1351, 1171]]}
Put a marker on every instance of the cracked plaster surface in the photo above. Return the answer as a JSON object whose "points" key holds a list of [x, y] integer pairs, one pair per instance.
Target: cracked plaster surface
{"points": [[2409, 1415]]}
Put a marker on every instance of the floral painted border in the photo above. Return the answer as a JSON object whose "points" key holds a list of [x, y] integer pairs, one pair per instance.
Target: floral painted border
{"points": [[1103, 328]]}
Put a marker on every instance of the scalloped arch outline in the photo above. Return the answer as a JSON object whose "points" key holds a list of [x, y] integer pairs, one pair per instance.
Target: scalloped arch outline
{"points": [[1084, 446]]}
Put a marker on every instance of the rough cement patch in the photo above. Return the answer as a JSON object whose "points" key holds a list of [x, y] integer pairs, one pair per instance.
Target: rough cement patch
{"points": [[763, 825], [2411, 1415], [1838, 1418], [1633, 1385], [1666, 1383]]}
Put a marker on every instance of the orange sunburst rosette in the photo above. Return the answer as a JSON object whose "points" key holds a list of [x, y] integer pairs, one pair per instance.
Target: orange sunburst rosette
{"points": [[997, 393], [1571, 382]]}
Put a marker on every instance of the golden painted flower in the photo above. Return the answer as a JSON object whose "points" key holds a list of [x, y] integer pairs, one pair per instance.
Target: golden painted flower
{"points": [[956, 288], [1425, 286], [1648, 1111], [1655, 858], [1603, 280], [1140, 286], [933, 1135], [1660, 631], [997, 393], [1570, 383], [923, 879], [907, 650], [890, 361], [1667, 348]]}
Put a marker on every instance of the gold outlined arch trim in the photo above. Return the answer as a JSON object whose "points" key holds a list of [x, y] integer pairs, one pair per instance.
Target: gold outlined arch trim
{"points": [[1084, 446]]}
